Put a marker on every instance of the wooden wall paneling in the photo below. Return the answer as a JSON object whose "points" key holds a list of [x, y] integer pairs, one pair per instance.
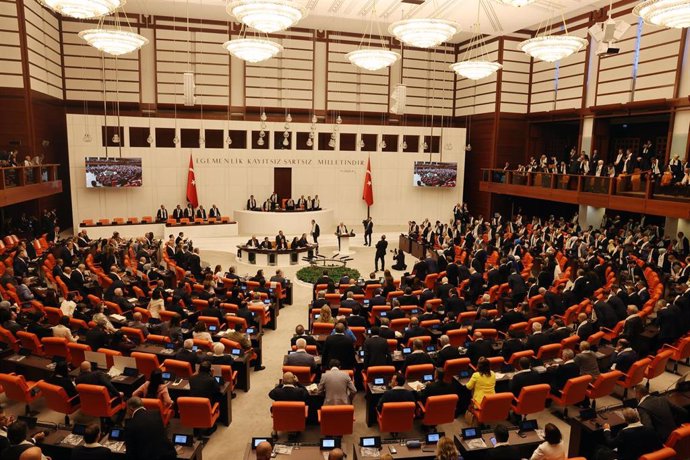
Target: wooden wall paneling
{"points": [[514, 78], [658, 63], [477, 97], [43, 49], [11, 75], [481, 137], [429, 80]]}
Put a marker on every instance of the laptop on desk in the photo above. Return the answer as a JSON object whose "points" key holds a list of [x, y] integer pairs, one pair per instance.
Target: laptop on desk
{"points": [[120, 364], [97, 360]]}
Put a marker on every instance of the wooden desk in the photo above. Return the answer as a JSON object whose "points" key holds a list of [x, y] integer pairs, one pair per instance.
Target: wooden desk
{"points": [[301, 452], [52, 446], [587, 435], [32, 367], [402, 451], [182, 389], [526, 444]]}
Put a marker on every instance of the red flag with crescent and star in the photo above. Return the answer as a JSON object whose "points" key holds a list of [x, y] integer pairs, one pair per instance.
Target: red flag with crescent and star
{"points": [[191, 184], [368, 193]]}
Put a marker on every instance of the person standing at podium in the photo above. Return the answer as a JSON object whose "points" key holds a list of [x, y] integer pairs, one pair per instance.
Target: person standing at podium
{"points": [[162, 214], [340, 231], [381, 247], [251, 203], [281, 242], [274, 201]]}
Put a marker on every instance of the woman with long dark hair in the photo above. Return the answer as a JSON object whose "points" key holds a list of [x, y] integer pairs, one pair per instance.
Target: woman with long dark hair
{"points": [[155, 388]]}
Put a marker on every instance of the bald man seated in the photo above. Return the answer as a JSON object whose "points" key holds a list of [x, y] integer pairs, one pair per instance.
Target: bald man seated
{"points": [[264, 451], [336, 454]]}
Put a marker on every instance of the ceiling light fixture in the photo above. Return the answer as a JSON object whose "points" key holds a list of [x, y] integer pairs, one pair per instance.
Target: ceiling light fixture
{"points": [[371, 56], [83, 9], [475, 64], [114, 41], [666, 13], [252, 49], [424, 33], [549, 47], [267, 16], [517, 3]]}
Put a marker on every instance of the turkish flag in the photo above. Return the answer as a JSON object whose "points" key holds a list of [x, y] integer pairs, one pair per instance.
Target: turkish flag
{"points": [[368, 193], [191, 184]]}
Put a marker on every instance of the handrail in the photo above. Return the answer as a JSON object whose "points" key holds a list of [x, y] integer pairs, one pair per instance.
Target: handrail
{"points": [[27, 175]]}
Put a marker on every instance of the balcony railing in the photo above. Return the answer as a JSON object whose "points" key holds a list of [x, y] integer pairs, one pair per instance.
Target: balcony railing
{"points": [[19, 176], [637, 192]]}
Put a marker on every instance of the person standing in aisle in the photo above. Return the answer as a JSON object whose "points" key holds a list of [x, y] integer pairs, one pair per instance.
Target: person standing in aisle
{"points": [[381, 247], [368, 230]]}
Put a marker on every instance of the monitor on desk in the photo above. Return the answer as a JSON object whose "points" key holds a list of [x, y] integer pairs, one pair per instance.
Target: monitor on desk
{"points": [[169, 346], [235, 352], [414, 311], [97, 360], [213, 328], [464, 374], [117, 434], [471, 433], [407, 350], [267, 301], [361, 353], [370, 441], [329, 443], [250, 330], [430, 348], [182, 439], [433, 438], [219, 379], [257, 441], [428, 378], [130, 372], [379, 381], [167, 376], [527, 425], [79, 429]]}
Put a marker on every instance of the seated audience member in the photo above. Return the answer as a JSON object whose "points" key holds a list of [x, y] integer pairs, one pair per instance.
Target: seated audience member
{"points": [[145, 436], [397, 392], [438, 387], [446, 351], [200, 332], [96, 377], [552, 448], [63, 330], [61, 378], [502, 449], [289, 390], [155, 388], [623, 357], [336, 385], [418, 355], [657, 413], [479, 348], [567, 370], [91, 449], [264, 451], [300, 357], [20, 443], [446, 450], [526, 376], [633, 440], [203, 385], [186, 353], [537, 338], [482, 382], [300, 333]]}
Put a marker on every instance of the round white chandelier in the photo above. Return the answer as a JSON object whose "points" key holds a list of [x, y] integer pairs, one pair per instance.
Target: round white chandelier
{"points": [[666, 13], [252, 49], [267, 16], [552, 48], [516, 2], [424, 33], [475, 69], [115, 42], [372, 59], [83, 9]]}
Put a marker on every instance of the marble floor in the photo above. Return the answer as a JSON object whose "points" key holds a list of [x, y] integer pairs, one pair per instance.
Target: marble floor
{"points": [[251, 415]]}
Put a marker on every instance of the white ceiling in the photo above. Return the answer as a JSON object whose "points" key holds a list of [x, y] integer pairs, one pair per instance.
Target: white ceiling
{"points": [[353, 15]]}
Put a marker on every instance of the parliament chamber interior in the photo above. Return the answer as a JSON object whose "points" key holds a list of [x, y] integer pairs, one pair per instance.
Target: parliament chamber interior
{"points": [[327, 229]]}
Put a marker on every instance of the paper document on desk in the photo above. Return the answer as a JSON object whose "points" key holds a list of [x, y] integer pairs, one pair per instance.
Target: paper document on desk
{"points": [[118, 317], [499, 375], [417, 386], [115, 446], [282, 449], [370, 452], [476, 444], [72, 440], [313, 388]]}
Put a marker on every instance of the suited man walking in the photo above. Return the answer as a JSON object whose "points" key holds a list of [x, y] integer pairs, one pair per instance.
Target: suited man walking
{"points": [[376, 351], [337, 386], [368, 230], [315, 231], [145, 437], [381, 247], [339, 347]]}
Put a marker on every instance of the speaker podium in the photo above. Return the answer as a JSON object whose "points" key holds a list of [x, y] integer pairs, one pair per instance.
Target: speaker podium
{"points": [[344, 244]]}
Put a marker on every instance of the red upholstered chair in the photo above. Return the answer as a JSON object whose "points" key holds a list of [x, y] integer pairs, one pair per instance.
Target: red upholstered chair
{"points": [[417, 371], [157, 339], [665, 453], [532, 399], [53, 315], [156, 404], [146, 362], [18, 389], [203, 344], [396, 417], [574, 391], [399, 324], [515, 357], [452, 367], [336, 420], [439, 410], [181, 369], [303, 373], [134, 334], [549, 351], [603, 386], [595, 338], [30, 342], [368, 375], [426, 340], [56, 346], [76, 351], [488, 333], [210, 321], [658, 365], [634, 376], [457, 337], [57, 399], [197, 413], [290, 416], [96, 402], [681, 352], [570, 343], [679, 440], [493, 408], [322, 328], [109, 356], [9, 339]]}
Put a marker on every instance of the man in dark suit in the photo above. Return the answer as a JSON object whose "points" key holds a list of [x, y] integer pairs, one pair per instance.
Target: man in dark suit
{"points": [[517, 286], [376, 351], [368, 230], [397, 392], [289, 390], [201, 213], [502, 450], [537, 338], [511, 316], [189, 212], [315, 231], [381, 247], [446, 351], [386, 332], [438, 387], [559, 375], [407, 298], [478, 348], [91, 449], [623, 357], [634, 440], [633, 328], [606, 315], [301, 334], [145, 437], [585, 326], [418, 355], [253, 242], [669, 319], [203, 385], [414, 330], [657, 413], [162, 214], [300, 357], [526, 376], [251, 203], [339, 347], [512, 345], [281, 241], [177, 213]]}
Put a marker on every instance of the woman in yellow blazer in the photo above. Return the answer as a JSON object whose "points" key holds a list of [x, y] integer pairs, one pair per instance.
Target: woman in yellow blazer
{"points": [[482, 382]]}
